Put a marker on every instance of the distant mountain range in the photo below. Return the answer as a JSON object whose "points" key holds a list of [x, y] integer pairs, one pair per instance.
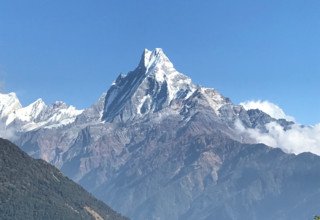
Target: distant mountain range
{"points": [[33, 189], [157, 146]]}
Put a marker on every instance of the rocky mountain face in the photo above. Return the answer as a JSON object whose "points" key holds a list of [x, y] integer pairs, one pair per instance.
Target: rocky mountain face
{"points": [[157, 146], [33, 189]]}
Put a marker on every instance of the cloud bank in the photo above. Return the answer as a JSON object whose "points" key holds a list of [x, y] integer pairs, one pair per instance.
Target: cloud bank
{"points": [[268, 107], [297, 139], [6, 133]]}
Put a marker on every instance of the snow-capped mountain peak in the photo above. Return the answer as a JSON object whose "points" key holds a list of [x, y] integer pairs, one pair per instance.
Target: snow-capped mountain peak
{"points": [[152, 86], [214, 99], [28, 113], [155, 58], [58, 114], [35, 115]]}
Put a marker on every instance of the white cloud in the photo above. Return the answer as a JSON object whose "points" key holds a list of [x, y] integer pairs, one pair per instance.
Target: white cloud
{"points": [[296, 140], [268, 107], [7, 133]]}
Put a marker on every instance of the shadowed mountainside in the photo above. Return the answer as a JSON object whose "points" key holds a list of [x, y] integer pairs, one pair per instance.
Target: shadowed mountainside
{"points": [[33, 189]]}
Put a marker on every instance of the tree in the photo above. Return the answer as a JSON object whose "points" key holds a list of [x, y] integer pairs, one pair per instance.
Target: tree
{"points": [[316, 217]]}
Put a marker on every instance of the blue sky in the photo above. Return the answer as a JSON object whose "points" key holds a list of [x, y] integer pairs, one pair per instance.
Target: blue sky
{"points": [[249, 49]]}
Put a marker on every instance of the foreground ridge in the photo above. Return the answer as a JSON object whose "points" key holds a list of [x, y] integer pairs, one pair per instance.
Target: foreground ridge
{"points": [[33, 189]]}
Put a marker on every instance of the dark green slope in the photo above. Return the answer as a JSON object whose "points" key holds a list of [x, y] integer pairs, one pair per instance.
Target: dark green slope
{"points": [[33, 189]]}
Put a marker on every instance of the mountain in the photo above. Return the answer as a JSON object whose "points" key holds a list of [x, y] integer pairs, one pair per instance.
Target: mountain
{"points": [[158, 146], [36, 115], [33, 189], [154, 86]]}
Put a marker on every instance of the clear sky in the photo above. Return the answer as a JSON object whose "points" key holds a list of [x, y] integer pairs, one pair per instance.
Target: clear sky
{"points": [[250, 49]]}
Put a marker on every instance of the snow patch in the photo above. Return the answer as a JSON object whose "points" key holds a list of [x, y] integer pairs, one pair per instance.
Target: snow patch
{"points": [[93, 213], [215, 99]]}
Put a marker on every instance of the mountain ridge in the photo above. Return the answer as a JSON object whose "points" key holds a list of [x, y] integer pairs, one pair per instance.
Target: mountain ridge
{"points": [[36, 115], [157, 146], [154, 66], [33, 189]]}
